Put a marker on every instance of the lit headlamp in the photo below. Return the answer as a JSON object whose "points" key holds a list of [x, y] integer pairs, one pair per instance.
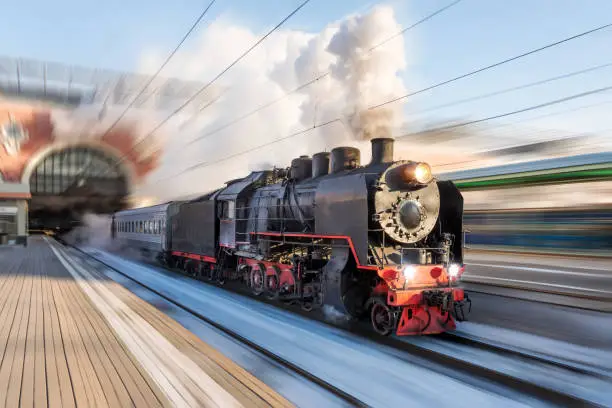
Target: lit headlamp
{"points": [[422, 173], [409, 272], [453, 270], [417, 172]]}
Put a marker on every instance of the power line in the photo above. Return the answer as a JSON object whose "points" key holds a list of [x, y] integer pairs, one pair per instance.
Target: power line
{"points": [[244, 54], [319, 77], [497, 64], [421, 21], [156, 74], [287, 137], [172, 54], [568, 137], [530, 108], [515, 88], [203, 88], [516, 112], [256, 110], [546, 115]]}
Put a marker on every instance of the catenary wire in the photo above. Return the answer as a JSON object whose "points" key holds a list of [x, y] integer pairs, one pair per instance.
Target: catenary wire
{"points": [[317, 78], [207, 85], [497, 64], [514, 88], [516, 112], [159, 70], [303, 131]]}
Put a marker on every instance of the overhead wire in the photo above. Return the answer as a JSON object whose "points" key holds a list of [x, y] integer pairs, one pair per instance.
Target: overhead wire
{"points": [[516, 112], [547, 115], [471, 73], [190, 31], [317, 78], [515, 88], [207, 85], [303, 131], [415, 24], [488, 67], [556, 43], [163, 65], [243, 152], [568, 137], [244, 54]]}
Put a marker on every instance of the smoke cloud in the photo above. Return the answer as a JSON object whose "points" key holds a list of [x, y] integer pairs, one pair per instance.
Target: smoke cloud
{"points": [[358, 77], [95, 231], [362, 74]]}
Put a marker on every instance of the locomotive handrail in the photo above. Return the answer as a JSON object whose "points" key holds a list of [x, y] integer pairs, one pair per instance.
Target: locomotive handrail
{"points": [[275, 219]]}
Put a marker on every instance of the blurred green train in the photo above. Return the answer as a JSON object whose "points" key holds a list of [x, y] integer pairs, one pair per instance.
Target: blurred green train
{"points": [[561, 205]]}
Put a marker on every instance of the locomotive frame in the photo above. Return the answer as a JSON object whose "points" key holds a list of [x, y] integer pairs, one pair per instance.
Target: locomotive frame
{"points": [[383, 240]]}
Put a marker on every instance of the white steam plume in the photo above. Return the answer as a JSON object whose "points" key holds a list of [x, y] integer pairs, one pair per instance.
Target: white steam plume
{"points": [[358, 78], [361, 75], [95, 231]]}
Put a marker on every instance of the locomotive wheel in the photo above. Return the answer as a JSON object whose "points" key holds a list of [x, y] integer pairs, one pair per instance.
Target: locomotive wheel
{"points": [[273, 284], [257, 280], [382, 317], [244, 274]]}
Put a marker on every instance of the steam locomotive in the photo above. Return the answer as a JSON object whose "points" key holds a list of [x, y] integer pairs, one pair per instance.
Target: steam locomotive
{"points": [[383, 240]]}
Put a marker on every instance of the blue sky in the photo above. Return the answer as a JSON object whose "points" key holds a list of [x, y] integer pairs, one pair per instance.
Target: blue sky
{"points": [[472, 34]]}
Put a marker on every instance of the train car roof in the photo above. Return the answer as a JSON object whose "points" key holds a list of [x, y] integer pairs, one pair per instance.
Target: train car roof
{"points": [[525, 167], [144, 210], [235, 186]]}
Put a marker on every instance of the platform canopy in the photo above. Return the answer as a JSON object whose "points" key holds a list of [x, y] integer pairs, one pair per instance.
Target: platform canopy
{"points": [[76, 86]]}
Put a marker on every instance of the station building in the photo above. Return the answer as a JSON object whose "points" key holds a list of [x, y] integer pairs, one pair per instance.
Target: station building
{"points": [[49, 180]]}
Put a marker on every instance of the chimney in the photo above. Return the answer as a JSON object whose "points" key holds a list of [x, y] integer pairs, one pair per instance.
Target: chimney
{"points": [[382, 150], [344, 158], [320, 164]]}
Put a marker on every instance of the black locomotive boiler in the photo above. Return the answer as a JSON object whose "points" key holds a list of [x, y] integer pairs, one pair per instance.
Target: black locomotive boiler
{"points": [[382, 240]]}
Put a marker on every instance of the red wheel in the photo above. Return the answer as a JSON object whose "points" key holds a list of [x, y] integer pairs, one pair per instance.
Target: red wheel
{"points": [[382, 317], [273, 283], [257, 280]]}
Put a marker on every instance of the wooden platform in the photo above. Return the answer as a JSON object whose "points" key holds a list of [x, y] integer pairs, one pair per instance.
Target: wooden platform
{"points": [[71, 337]]}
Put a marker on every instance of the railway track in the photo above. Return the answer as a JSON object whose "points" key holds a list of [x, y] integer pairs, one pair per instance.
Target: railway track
{"points": [[418, 353], [541, 294], [466, 360], [576, 367]]}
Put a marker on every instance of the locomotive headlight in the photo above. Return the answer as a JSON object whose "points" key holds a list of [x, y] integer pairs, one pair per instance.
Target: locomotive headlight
{"points": [[453, 270], [407, 176], [409, 272], [422, 173]]}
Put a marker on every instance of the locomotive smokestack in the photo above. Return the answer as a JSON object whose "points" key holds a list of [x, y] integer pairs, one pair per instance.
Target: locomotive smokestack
{"points": [[320, 164], [344, 158], [382, 150]]}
